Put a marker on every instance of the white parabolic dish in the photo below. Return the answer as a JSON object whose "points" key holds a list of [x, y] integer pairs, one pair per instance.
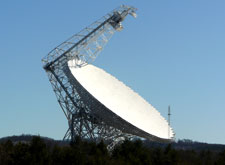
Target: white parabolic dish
{"points": [[121, 100]]}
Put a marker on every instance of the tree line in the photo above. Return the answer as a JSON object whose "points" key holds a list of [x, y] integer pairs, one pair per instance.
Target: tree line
{"points": [[38, 151]]}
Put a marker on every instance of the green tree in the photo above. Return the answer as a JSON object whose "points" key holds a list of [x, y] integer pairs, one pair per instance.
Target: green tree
{"points": [[221, 158], [21, 154], [39, 152], [170, 155], [6, 151], [132, 153]]}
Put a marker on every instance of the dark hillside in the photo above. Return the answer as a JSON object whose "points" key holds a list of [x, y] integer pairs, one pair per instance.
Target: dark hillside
{"points": [[188, 145], [28, 149], [179, 145], [27, 139]]}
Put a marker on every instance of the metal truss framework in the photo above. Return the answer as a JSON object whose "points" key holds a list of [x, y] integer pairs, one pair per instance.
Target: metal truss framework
{"points": [[83, 48], [81, 121]]}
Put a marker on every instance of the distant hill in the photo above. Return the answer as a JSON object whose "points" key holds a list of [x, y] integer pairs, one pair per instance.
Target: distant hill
{"points": [[185, 144], [27, 138], [23, 138]]}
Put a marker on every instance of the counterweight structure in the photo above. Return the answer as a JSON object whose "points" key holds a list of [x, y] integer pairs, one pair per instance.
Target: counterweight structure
{"points": [[83, 48]]}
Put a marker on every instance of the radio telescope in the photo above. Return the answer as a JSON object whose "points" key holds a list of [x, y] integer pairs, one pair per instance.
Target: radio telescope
{"points": [[96, 104]]}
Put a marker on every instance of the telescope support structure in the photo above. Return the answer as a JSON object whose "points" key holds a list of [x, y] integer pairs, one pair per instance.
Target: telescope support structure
{"points": [[83, 48]]}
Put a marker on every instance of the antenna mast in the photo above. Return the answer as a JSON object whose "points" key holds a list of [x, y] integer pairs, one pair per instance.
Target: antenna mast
{"points": [[169, 114]]}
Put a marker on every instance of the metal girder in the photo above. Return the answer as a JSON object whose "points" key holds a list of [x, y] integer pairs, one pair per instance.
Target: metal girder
{"points": [[93, 37]]}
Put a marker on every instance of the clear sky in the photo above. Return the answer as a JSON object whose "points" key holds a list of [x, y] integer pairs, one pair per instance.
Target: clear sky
{"points": [[172, 54]]}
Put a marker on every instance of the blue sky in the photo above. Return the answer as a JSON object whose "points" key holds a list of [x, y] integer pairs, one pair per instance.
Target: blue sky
{"points": [[172, 54]]}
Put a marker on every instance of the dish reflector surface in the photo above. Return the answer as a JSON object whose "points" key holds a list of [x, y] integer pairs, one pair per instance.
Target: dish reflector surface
{"points": [[121, 100]]}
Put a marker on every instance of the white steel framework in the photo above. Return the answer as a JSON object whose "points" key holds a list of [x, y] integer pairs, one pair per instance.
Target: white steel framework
{"points": [[83, 48]]}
